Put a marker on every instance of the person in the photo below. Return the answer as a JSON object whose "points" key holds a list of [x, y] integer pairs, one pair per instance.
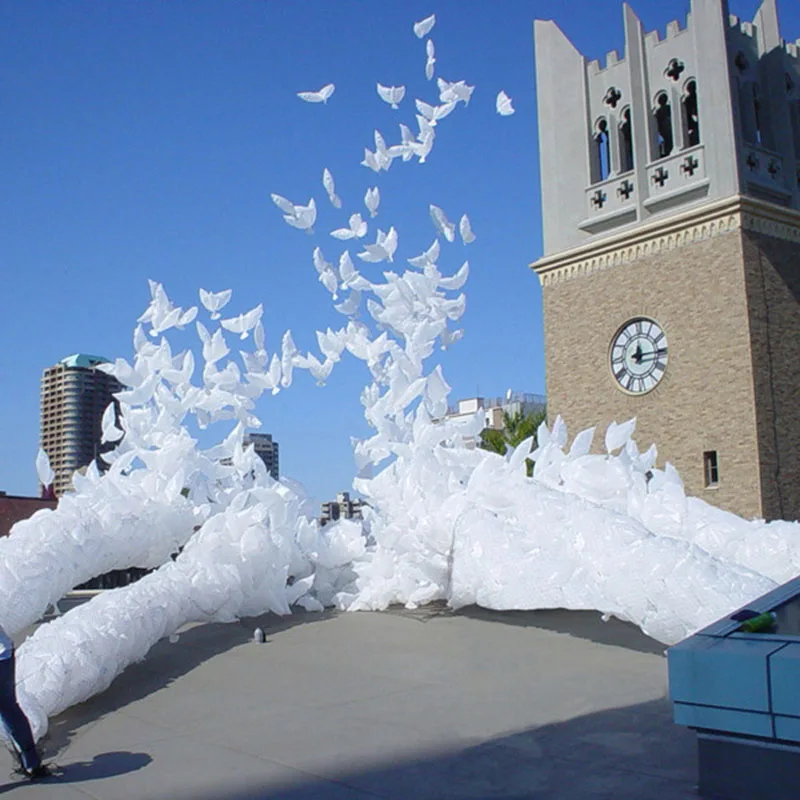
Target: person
{"points": [[13, 718]]}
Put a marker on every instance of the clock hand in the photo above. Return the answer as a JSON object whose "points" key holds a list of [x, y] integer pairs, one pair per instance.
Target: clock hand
{"points": [[651, 356], [637, 356]]}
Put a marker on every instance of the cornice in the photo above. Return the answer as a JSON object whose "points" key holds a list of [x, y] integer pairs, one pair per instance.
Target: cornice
{"points": [[722, 217]]}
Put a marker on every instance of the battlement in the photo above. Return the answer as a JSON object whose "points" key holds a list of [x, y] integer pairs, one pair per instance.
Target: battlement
{"points": [[612, 60], [745, 28], [674, 28], [792, 49]]}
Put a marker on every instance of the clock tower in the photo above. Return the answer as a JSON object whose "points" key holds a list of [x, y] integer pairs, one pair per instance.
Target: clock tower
{"points": [[671, 268]]}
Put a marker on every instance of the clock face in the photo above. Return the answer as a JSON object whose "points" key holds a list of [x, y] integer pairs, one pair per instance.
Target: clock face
{"points": [[639, 355]]}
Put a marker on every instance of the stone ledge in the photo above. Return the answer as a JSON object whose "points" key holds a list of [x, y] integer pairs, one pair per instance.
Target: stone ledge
{"points": [[717, 219]]}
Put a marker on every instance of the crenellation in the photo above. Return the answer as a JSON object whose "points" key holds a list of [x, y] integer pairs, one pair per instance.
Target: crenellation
{"points": [[748, 29], [612, 58], [593, 67], [792, 49], [733, 21], [673, 29], [652, 38]]}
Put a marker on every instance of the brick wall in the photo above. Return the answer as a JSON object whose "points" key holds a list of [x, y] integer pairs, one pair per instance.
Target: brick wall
{"points": [[772, 269], [14, 508], [706, 399]]}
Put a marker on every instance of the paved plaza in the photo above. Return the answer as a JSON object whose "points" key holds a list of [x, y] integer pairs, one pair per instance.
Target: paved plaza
{"points": [[402, 704]]}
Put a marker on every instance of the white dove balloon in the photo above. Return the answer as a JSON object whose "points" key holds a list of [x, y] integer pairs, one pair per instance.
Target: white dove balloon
{"points": [[430, 50], [383, 249], [287, 206], [357, 229], [303, 217], [372, 199], [424, 26], [465, 229], [458, 280], [503, 104], [214, 302], [428, 258], [108, 425], [320, 96], [391, 94], [443, 225], [434, 113], [454, 92], [244, 323], [351, 305], [43, 469], [330, 188]]}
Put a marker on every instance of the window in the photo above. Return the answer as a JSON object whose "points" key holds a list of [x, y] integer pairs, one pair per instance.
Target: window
{"points": [[626, 142], [691, 121], [663, 116], [711, 468], [602, 146], [757, 115]]}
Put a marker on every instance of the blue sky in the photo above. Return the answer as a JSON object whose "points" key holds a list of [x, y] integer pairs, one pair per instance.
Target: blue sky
{"points": [[142, 140]]}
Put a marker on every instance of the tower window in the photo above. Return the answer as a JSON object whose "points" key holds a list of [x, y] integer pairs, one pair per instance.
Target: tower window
{"points": [[603, 150], [757, 114], [711, 468], [626, 141], [691, 119], [663, 115]]}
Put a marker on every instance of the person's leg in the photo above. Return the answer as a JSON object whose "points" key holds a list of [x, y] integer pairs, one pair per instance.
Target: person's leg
{"points": [[14, 719]]}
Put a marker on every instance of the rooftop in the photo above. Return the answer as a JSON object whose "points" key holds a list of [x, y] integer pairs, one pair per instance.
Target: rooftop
{"points": [[400, 704], [82, 360]]}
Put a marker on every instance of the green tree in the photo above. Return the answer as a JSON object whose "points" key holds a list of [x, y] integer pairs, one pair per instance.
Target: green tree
{"points": [[517, 427]]}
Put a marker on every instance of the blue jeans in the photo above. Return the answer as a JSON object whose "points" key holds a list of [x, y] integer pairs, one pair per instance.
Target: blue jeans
{"points": [[14, 719]]}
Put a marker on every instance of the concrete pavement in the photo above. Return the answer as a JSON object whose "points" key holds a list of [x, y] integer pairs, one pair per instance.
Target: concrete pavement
{"points": [[423, 704]]}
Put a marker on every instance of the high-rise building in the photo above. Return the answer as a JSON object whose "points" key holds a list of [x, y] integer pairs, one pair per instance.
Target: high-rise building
{"points": [[266, 449], [74, 395], [671, 268]]}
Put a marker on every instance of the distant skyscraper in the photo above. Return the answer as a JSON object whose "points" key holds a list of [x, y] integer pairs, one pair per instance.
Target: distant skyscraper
{"points": [[74, 396], [266, 449]]}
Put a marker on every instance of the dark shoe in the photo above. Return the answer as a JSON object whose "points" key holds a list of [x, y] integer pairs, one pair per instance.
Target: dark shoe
{"points": [[42, 771]]}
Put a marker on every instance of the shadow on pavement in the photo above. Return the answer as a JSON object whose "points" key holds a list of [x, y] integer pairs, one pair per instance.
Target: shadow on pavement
{"points": [[197, 643], [626, 753], [582, 624], [106, 765]]}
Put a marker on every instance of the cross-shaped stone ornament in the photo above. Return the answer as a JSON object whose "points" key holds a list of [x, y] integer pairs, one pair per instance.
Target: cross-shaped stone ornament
{"points": [[689, 165], [773, 169], [599, 198], [752, 161], [612, 97], [660, 176], [625, 189], [674, 69]]}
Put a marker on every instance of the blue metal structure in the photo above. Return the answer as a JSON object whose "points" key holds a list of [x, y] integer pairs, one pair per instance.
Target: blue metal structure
{"points": [[741, 692]]}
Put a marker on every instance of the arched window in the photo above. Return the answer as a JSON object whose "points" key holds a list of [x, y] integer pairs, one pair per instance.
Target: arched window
{"points": [[663, 117], [691, 121], [626, 141], [603, 149], [759, 122]]}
